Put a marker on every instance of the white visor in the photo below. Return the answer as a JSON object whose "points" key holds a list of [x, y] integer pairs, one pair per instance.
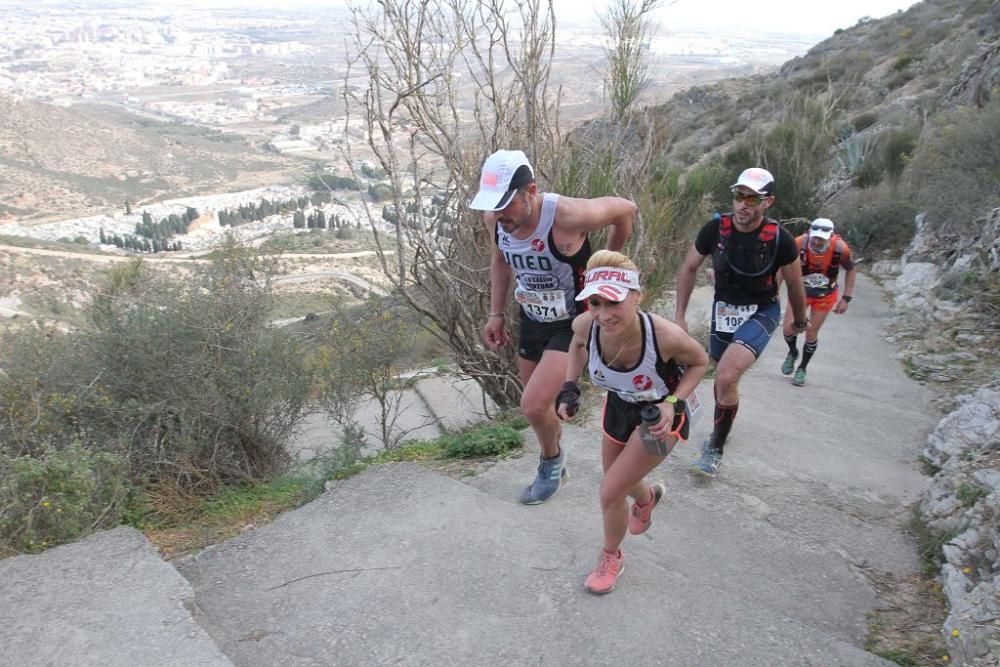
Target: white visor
{"points": [[610, 283]]}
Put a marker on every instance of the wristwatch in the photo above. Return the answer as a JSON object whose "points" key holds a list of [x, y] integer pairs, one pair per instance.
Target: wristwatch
{"points": [[678, 403], [847, 298]]}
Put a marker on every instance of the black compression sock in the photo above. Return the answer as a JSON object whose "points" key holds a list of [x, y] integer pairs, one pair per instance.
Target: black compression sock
{"points": [[724, 417], [807, 352], [793, 346]]}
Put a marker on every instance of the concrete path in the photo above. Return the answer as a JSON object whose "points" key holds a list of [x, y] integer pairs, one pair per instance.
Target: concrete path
{"points": [[766, 565], [107, 600]]}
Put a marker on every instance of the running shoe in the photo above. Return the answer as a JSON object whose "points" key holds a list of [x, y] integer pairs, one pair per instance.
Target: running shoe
{"points": [[711, 459], [641, 516], [799, 378], [602, 579], [789, 365], [551, 475]]}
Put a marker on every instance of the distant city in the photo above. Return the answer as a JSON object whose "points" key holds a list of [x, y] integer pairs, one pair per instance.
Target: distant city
{"points": [[277, 77], [246, 70]]}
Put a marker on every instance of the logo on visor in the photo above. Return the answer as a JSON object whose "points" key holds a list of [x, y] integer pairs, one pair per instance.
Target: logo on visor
{"points": [[611, 293], [490, 180], [538, 245], [642, 382]]}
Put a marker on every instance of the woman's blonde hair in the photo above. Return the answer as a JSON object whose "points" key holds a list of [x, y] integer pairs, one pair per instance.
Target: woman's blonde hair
{"points": [[611, 259]]}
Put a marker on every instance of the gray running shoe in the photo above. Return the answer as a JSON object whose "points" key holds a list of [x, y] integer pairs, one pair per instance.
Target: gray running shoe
{"points": [[711, 459], [551, 475]]}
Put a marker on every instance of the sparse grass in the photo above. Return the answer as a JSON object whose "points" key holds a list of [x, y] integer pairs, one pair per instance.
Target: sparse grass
{"points": [[928, 466], [969, 493], [905, 629], [929, 543], [193, 524]]}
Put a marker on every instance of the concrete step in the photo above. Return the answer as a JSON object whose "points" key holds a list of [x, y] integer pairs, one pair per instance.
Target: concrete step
{"points": [[107, 600], [401, 565]]}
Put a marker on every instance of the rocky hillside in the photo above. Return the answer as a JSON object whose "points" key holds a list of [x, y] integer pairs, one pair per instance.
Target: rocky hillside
{"points": [[74, 161], [956, 349], [934, 56]]}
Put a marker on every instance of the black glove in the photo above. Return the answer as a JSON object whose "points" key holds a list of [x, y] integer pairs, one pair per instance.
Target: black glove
{"points": [[570, 397]]}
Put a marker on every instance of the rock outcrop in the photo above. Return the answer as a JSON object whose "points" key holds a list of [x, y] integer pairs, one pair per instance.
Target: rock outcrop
{"points": [[954, 344]]}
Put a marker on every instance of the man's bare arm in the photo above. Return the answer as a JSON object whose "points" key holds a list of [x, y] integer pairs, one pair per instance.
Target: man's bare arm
{"points": [[792, 273], [685, 284]]}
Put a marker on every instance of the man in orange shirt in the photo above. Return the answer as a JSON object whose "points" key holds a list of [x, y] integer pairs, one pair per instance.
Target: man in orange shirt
{"points": [[822, 254]]}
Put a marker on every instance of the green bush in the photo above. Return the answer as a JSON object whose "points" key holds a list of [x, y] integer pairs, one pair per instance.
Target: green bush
{"points": [[58, 495], [186, 374], [864, 120], [489, 441], [380, 192], [954, 170], [876, 220], [893, 151]]}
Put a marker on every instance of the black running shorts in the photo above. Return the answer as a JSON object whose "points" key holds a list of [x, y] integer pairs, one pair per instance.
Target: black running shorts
{"points": [[536, 337], [622, 417]]}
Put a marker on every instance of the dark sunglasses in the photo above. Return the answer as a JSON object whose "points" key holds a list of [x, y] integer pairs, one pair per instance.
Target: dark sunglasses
{"points": [[751, 200]]}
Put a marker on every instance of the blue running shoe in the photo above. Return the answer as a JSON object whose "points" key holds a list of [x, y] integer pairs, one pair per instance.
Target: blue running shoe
{"points": [[711, 459], [551, 475], [799, 378]]}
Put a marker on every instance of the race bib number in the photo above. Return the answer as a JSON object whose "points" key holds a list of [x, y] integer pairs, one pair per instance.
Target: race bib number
{"points": [[692, 407], [543, 306], [728, 317], [816, 280]]}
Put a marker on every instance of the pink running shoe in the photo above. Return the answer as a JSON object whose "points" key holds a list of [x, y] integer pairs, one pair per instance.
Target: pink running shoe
{"points": [[641, 516], [602, 579]]}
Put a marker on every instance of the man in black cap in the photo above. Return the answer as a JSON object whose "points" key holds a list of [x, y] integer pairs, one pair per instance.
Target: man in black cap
{"points": [[542, 250], [747, 250]]}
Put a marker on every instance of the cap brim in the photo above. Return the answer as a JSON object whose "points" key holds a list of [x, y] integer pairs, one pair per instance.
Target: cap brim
{"points": [[815, 233], [750, 188], [490, 200], [614, 293]]}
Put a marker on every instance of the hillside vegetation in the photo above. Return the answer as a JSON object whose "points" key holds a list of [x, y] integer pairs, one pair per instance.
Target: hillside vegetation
{"points": [[873, 125]]}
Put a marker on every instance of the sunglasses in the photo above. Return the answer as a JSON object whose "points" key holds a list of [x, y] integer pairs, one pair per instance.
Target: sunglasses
{"points": [[821, 229], [750, 200]]}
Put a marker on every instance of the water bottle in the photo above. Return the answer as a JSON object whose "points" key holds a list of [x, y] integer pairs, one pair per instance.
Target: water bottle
{"points": [[650, 415]]}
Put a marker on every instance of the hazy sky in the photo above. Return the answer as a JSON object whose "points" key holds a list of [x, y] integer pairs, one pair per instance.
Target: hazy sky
{"points": [[812, 17], [800, 16]]}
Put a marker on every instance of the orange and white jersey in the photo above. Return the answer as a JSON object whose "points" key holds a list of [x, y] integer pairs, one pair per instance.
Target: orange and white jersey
{"points": [[820, 271]]}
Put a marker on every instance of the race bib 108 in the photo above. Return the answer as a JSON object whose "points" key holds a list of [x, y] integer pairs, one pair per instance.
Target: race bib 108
{"points": [[728, 317]]}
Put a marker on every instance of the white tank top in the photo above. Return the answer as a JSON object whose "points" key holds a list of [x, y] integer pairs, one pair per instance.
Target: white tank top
{"points": [[546, 280], [642, 382]]}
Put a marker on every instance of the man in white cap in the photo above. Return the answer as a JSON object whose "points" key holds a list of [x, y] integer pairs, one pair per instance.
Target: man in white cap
{"points": [[822, 253], [541, 250], [748, 250]]}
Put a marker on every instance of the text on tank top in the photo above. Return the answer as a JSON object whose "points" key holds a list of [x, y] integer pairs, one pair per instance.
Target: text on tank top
{"points": [[546, 283]]}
